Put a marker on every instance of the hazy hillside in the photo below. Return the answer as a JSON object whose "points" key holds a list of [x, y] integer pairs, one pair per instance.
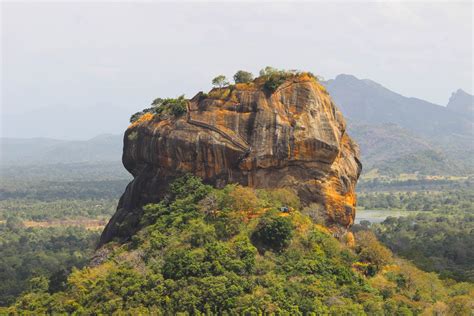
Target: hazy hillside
{"points": [[368, 102], [400, 134], [383, 142], [69, 121], [49, 151], [462, 103], [394, 150]]}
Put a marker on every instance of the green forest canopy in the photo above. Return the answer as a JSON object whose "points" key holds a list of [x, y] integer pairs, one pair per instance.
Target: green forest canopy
{"points": [[206, 250]]}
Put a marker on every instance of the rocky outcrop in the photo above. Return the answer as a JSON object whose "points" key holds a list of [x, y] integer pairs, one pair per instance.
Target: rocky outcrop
{"points": [[293, 137], [462, 103]]}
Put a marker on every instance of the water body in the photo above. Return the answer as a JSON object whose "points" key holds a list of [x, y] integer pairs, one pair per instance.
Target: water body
{"points": [[378, 216]]}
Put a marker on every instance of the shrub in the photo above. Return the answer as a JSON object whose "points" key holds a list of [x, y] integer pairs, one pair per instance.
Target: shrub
{"points": [[135, 116], [370, 250], [268, 71], [278, 198], [273, 232], [274, 81], [275, 77], [244, 199], [200, 233], [157, 101], [177, 107], [173, 106], [242, 76], [181, 263], [38, 284], [189, 186]]}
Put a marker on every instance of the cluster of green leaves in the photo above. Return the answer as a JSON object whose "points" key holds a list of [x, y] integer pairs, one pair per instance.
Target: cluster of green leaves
{"points": [[168, 106], [240, 76], [276, 77], [273, 232], [220, 81], [45, 253], [209, 251], [243, 76]]}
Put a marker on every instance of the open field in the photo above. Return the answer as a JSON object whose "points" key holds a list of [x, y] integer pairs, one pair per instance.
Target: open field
{"points": [[90, 224], [378, 216]]}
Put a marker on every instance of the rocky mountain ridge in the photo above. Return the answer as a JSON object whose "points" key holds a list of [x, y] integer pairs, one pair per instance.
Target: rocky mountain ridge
{"points": [[462, 103], [365, 101]]}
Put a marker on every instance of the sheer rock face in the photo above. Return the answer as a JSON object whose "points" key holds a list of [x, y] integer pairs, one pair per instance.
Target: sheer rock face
{"points": [[294, 137]]}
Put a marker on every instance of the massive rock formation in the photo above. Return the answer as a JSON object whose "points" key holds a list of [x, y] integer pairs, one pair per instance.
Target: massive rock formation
{"points": [[292, 137]]}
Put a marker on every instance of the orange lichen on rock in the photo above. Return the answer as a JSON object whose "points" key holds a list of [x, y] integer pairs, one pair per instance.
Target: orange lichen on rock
{"points": [[245, 86], [340, 206], [144, 118], [219, 93], [305, 76]]}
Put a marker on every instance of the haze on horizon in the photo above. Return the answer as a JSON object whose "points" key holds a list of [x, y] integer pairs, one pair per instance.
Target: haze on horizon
{"points": [[72, 71]]}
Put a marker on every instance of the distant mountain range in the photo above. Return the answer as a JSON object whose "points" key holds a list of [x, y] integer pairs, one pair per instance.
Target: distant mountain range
{"points": [[400, 134], [463, 103], [365, 101], [395, 133], [394, 150]]}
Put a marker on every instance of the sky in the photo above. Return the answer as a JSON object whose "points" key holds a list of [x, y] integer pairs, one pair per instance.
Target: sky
{"points": [[76, 70]]}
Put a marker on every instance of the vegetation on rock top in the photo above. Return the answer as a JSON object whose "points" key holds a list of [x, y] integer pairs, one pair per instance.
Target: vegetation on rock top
{"points": [[161, 107], [270, 78]]}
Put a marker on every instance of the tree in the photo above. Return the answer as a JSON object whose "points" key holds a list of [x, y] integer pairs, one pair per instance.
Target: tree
{"points": [[242, 76], [157, 101], [220, 81], [268, 71], [14, 223], [244, 199], [274, 232], [370, 249], [274, 77], [38, 284]]}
